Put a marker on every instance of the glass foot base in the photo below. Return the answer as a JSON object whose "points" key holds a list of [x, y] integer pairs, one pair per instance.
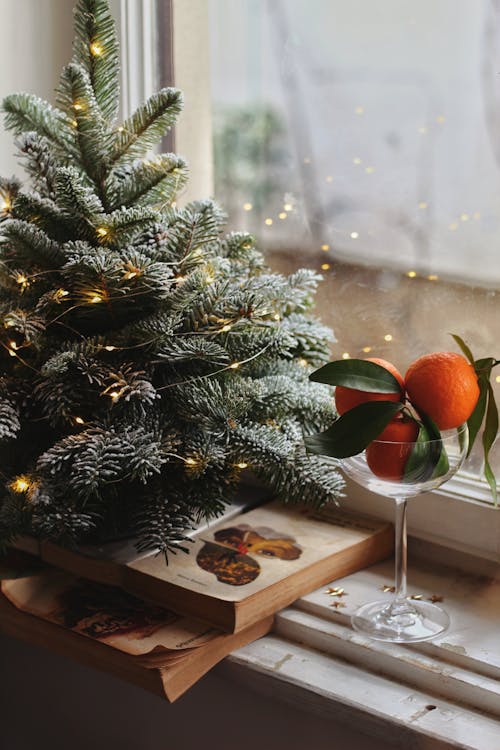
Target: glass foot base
{"points": [[401, 621]]}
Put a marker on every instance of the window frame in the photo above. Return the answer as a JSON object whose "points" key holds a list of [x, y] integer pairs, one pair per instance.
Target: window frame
{"points": [[460, 515]]}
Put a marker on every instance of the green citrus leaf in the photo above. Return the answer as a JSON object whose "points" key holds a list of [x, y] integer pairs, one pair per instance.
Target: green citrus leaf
{"points": [[476, 418], [489, 434], [463, 346], [442, 465], [428, 459], [359, 374], [484, 366], [354, 430]]}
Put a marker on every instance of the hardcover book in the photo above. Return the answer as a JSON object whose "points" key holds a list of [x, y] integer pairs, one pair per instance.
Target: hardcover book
{"points": [[105, 627], [240, 570]]}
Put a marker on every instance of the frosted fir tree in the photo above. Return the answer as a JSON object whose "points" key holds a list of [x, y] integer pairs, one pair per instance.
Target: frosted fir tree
{"points": [[147, 358]]}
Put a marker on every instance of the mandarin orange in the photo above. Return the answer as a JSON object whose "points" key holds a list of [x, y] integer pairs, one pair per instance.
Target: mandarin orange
{"points": [[388, 454], [444, 386], [348, 398]]}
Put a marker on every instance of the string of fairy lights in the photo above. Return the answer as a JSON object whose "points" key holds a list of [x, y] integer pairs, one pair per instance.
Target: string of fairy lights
{"points": [[26, 485]]}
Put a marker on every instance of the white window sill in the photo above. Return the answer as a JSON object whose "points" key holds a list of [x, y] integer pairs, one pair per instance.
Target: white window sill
{"points": [[445, 693]]}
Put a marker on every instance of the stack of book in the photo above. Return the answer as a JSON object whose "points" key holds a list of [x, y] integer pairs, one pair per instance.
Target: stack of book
{"points": [[164, 626]]}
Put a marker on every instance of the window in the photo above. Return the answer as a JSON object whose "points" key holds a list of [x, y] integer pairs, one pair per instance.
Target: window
{"points": [[361, 140]]}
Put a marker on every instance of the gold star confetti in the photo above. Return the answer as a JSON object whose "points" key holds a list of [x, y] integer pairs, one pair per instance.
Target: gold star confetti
{"points": [[388, 589], [337, 591], [435, 598], [338, 605]]}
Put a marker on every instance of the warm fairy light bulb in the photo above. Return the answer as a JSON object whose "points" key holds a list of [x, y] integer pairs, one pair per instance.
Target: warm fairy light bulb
{"points": [[367, 349], [422, 204], [357, 160], [242, 465], [121, 129], [226, 328], [96, 49], [13, 345], [247, 206], [130, 275], [96, 299], [432, 277], [110, 348], [411, 274], [209, 278], [369, 170], [325, 266], [464, 217], [268, 222], [77, 106], [288, 207], [6, 204], [303, 362], [388, 337], [22, 280], [102, 231], [12, 353], [190, 462], [346, 355], [277, 316], [234, 366], [20, 484], [180, 279], [114, 395], [329, 178], [359, 110], [354, 235], [283, 215], [60, 293], [74, 123], [325, 247], [79, 420]]}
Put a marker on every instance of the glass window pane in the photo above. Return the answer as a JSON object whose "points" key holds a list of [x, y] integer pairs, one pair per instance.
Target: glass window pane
{"points": [[362, 139]]}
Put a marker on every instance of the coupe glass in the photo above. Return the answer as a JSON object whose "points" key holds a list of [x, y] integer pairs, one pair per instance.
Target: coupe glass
{"points": [[402, 620]]}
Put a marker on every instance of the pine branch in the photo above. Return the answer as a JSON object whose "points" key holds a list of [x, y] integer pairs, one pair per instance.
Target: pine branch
{"points": [[9, 420], [32, 244], [153, 183], [95, 48], [92, 135], [79, 201], [193, 228], [124, 225], [44, 212], [27, 112], [161, 523], [40, 162], [26, 323], [147, 125]]}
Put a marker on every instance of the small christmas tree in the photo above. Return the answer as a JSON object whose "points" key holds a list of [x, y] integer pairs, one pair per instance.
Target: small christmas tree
{"points": [[147, 358]]}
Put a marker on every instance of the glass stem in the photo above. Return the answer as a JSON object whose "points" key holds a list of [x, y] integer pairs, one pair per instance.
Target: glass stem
{"points": [[400, 550]]}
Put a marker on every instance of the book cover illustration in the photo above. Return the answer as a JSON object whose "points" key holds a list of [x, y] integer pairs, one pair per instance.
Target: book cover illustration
{"points": [[235, 559], [106, 613], [231, 555]]}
